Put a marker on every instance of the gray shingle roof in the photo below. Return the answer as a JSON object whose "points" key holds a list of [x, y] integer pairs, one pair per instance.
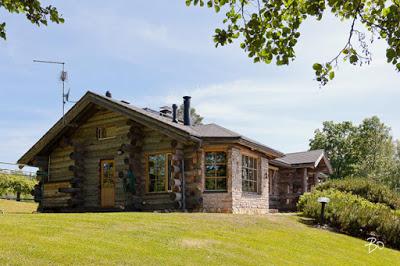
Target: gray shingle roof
{"points": [[199, 131], [214, 130], [301, 157], [217, 131], [154, 115]]}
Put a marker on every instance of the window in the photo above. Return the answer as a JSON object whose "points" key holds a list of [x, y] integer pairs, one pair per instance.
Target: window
{"points": [[107, 173], [105, 133], [215, 171], [249, 174], [159, 173]]}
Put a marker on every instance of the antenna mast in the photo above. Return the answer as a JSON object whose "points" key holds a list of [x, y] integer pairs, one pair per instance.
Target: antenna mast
{"points": [[63, 78]]}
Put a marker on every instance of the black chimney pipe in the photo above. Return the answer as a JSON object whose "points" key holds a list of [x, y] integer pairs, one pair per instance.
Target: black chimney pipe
{"points": [[174, 108], [108, 94], [186, 111]]}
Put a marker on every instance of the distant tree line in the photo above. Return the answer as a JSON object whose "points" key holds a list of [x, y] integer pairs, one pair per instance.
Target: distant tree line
{"points": [[366, 150], [17, 185]]}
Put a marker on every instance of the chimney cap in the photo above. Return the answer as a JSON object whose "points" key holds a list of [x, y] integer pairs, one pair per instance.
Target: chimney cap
{"points": [[174, 108], [187, 97]]}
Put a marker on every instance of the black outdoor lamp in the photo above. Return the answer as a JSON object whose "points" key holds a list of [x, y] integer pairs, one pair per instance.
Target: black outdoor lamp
{"points": [[323, 201]]}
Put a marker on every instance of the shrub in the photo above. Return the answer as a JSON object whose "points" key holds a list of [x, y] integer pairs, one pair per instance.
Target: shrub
{"points": [[354, 215], [365, 188]]}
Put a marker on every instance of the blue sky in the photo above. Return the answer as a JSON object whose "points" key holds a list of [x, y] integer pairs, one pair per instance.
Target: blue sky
{"points": [[151, 53]]}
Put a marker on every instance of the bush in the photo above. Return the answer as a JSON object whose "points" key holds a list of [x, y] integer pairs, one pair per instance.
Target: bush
{"points": [[354, 215], [18, 185], [365, 188]]}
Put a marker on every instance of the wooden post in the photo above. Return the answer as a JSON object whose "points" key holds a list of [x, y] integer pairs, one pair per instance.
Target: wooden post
{"points": [[275, 183]]}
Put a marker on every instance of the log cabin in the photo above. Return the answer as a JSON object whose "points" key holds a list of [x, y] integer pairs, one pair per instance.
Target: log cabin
{"points": [[108, 155]]}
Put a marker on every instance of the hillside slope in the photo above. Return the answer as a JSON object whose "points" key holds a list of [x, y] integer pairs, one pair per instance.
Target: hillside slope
{"points": [[177, 239]]}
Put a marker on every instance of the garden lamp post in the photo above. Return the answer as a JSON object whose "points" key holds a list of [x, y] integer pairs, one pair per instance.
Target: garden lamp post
{"points": [[323, 201]]}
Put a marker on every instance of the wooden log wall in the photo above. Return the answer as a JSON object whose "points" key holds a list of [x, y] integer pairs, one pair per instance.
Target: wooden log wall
{"points": [[102, 149], [76, 160], [193, 178], [53, 198]]}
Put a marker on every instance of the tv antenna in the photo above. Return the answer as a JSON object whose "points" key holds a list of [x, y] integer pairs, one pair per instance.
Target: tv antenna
{"points": [[63, 78]]}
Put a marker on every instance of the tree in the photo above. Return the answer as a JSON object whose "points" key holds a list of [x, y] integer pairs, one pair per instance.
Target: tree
{"points": [[17, 185], [195, 117], [337, 139], [375, 148], [394, 182], [367, 150], [269, 30], [34, 11]]}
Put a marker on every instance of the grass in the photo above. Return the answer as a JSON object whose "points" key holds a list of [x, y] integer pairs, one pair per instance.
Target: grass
{"points": [[11, 206], [177, 239]]}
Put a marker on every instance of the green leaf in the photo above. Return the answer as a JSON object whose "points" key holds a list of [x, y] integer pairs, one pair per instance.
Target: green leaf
{"points": [[390, 54], [353, 59], [317, 67], [331, 75]]}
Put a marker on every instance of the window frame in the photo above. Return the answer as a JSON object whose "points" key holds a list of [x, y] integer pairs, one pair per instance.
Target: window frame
{"points": [[100, 130], [168, 171], [255, 169], [216, 177]]}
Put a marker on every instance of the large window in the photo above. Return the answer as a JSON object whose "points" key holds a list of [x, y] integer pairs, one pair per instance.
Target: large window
{"points": [[159, 173], [249, 174], [215, 167]]}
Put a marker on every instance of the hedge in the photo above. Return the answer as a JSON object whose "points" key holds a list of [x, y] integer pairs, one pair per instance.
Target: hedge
{"points": [[365, 188], [354, 215]]}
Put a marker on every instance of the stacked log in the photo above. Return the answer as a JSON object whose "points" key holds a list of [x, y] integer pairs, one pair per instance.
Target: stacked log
{"points": [[42, 162], [193, 185], [176, 194], [78, 173], [134, 151]]}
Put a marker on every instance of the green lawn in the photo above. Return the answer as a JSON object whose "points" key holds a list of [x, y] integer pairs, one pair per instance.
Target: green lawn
{"points": [[177, 239], [11, 206]]}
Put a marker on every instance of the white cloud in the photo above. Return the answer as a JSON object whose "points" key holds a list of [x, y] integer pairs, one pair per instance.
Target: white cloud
{"points": [[284, 114]]}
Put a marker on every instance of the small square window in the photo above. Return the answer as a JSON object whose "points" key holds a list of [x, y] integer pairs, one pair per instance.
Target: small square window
{"points": [[105, 133]]}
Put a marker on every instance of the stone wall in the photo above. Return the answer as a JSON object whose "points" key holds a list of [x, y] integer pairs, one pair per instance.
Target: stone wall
{"points": [[245, 202], [235, 200]]}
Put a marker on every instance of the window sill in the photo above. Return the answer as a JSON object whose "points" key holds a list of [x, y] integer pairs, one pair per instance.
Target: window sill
{"points": [[251, 193], [158, 193], [214, 191]]}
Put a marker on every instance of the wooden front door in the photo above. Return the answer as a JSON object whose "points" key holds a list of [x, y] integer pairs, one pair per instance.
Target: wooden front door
{"points": [[107, 181]]}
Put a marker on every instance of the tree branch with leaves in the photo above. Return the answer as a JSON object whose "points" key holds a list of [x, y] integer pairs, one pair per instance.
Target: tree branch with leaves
{"points": [[268, 30], [34, 11]]}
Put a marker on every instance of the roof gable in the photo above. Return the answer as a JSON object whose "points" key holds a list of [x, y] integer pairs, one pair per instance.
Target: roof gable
{"points": [[312, 158], [86, 102]]}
